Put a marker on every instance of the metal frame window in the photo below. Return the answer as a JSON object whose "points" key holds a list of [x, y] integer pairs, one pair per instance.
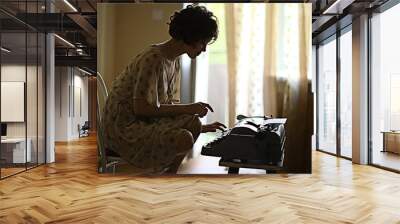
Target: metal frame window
{"points": [[35, 57], [381, 9], [334, 37]]}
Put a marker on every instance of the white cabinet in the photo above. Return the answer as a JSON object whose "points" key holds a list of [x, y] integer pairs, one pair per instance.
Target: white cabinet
{"points": [[15, 148]]}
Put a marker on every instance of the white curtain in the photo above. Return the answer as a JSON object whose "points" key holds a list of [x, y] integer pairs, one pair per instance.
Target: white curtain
{"points": [[268, 53], [246, 35], [266, 56]]}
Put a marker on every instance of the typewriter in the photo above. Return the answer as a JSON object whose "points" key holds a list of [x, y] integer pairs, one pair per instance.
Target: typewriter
{"points": [[254, 142]]}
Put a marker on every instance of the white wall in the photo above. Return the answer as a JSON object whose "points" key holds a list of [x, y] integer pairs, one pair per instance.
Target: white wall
{"points": [[33, 126], [12, 101], [79, 117], [12, 73], [70, 84], [62, 81], [124, 30]]}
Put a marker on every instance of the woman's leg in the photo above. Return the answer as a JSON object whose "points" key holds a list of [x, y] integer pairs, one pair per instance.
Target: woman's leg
{"points": [[194, 126], [185, 138], [185, 142]]}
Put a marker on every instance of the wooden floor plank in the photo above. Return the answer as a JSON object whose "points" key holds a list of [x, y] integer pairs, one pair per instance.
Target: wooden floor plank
{"points": [[71, 191]]}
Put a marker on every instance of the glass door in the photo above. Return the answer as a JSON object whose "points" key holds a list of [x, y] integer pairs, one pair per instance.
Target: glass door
{"points": [[22, 78], [326, 87], [385, 89], [14, 154]]}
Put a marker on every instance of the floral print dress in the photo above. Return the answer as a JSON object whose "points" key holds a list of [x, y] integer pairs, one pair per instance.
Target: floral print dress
{"points": [[147, 143]]}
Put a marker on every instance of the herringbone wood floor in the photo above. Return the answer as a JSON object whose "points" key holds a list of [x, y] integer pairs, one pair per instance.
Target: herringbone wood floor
{"points": [[71, 191]]}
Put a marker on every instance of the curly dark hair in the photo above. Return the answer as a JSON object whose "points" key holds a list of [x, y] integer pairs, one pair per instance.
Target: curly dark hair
{"points": [[192, 24]]}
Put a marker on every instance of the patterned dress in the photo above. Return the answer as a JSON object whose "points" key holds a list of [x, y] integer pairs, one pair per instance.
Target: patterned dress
{"points": [[147, 143]]}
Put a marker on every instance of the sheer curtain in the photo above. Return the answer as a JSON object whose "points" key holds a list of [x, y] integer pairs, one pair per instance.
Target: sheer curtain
{"points": [[264, 70], [269, 47], [245, 27], [263, 55]]}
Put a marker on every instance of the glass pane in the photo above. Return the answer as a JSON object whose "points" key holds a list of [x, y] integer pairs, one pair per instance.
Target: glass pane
{"points": [[32, 7], [327, 97], [32, 85], [41, 98], [14, 153], [314, 90], [346, 94], [386, 89], [31, 97], [9, 24]]}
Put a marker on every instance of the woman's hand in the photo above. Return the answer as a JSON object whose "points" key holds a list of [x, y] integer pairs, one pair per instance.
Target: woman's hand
{"points": [[212, 127], [200, 109]]}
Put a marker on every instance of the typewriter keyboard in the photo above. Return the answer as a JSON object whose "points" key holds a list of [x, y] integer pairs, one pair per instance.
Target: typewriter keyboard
{"points": [[217, 140]]}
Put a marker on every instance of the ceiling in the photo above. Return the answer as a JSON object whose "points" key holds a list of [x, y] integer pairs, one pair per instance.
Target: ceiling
{"points": [[76, 22]]}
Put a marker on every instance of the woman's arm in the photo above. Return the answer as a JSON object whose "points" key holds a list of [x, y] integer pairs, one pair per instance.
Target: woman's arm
{"points": [[143, 108]]}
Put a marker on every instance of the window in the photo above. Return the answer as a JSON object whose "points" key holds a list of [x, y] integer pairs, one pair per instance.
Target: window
{"points": [[346, 94], [22, 65], [327, 96], [385, 88]]}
